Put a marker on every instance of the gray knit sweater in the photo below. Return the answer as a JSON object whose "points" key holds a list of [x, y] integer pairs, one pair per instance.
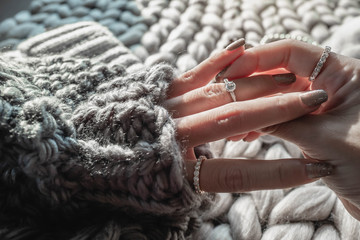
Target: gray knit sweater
{"points": [[87, 151]]}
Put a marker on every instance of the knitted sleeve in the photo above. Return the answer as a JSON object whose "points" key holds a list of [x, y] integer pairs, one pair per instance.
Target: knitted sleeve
{"points": [[77, 131], [128, 143]]}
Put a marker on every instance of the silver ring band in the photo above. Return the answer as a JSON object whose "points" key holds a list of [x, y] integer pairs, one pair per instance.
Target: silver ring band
{"points": [[230, 88], [197, 174], [320, 63]]}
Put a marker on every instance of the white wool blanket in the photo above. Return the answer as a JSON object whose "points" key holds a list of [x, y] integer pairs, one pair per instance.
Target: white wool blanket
{"points": [[184, 33]]}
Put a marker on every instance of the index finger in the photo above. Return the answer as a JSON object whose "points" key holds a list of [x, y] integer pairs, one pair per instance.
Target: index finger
{"points": [[297, 57], [206, 70]]}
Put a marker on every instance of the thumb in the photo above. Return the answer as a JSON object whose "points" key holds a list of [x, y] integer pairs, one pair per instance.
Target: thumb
{"points": [[301, 131], [298, 131]]}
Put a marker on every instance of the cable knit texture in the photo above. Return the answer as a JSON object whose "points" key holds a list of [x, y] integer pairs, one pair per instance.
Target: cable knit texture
{"points": [[64, 187], [86, 148]]}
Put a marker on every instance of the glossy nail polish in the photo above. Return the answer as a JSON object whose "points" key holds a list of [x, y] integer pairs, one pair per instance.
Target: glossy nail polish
{"points": [[318, 170], [314, 98], [284, 79], [236, 44]]}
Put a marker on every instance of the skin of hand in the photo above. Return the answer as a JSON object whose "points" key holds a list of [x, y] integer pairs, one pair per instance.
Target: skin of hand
{"points": [[332, 133], [205, 112]]}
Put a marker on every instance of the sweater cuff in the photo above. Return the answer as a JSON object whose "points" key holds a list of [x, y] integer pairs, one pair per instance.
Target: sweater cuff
{"points": [[132, 151], [123, 152]]}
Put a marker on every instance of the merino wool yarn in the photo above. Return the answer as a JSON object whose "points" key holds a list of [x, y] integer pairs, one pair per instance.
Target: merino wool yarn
{"points": [[89, 153]]}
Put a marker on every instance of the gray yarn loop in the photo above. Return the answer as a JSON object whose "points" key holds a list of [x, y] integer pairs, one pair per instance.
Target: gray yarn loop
{"points": [[85, 134]]}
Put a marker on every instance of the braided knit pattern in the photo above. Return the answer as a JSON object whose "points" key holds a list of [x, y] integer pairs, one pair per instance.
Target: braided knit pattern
{"points": [[188, 31], [181, 33], [86, 146]]}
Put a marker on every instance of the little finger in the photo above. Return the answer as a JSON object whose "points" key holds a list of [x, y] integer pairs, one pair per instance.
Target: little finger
{"points": [[238, 175]]}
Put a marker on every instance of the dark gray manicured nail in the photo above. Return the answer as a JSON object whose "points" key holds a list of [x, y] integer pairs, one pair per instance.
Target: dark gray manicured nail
{"points": [[314, 98], [220, 75], [318, 170], [248, 45], [284, 79], [236, 44]]}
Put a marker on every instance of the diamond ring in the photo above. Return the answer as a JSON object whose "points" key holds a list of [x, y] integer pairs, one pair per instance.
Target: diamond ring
{"points": [[230, 88], [320, 63], [197, 174]]}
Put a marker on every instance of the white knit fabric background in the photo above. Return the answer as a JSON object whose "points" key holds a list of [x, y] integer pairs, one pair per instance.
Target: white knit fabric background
{"points": [[184, 33]]}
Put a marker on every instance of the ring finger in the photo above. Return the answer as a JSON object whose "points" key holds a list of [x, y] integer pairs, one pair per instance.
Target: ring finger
{"points": [[215, 95]]}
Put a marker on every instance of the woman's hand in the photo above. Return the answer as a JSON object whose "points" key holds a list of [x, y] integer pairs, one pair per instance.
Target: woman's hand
{"points": [[206, 112], [331, 135]]}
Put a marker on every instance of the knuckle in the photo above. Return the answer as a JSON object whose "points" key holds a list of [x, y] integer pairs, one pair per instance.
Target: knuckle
{"points": [[231, 179], [213, 60], [282, 105], [233, 118], [188, 76], [232, 112], [213, 95], [212, 90]]}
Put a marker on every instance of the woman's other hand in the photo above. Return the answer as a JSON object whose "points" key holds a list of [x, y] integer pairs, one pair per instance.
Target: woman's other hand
{"points": [[332, 135], [206, 112]]}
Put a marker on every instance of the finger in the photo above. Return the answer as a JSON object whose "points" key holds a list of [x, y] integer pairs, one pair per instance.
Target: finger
{"points": [[206, 70], [252, 136], [305, 132], [242, 117], [297, 57], [237, 137], [237, 175], [246, 137], [215, 95]]}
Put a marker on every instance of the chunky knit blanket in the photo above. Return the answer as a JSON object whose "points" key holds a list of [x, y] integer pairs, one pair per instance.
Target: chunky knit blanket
{"points": [[81, 161]]}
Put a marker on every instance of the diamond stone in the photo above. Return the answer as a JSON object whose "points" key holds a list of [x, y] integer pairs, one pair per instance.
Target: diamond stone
{"points": [[229, 86]]}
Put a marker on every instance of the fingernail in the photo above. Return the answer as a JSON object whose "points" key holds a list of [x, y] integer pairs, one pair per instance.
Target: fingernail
{"points": [[248, 45], [318, 170], [314, 98], [236, 44], [284, 79], [220, 75]]}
